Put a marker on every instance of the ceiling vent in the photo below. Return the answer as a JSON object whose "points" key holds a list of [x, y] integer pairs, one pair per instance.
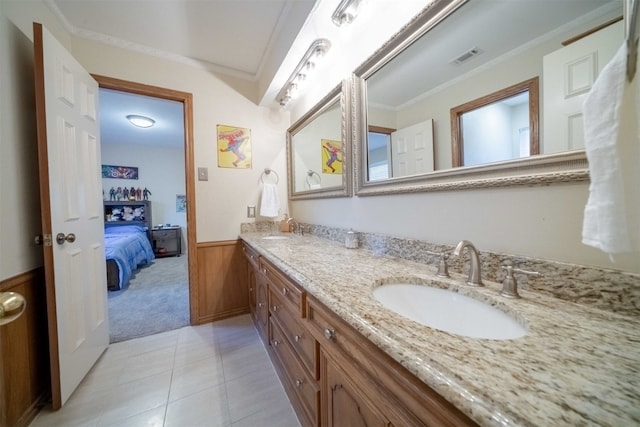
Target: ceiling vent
{"points": [[474, 51]]}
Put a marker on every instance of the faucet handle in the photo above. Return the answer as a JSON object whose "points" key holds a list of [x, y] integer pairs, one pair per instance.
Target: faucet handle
{"points": [[443, 267], [509, 284]]}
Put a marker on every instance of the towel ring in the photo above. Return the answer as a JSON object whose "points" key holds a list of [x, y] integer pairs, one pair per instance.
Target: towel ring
{"points": [[310, 174], [267, 172], [632, 42]]}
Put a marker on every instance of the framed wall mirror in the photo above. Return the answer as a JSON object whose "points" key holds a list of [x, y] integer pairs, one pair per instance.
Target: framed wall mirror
{"points": [[318, 157], [446, 58]]}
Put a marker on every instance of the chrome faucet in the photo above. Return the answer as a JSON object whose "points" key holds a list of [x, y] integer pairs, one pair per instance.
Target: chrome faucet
{"points": [[475, 276], [297, 228]]}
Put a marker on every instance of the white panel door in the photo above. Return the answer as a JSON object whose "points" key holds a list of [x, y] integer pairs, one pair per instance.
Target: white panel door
{"points": [[412, 149], [568, 74], [71, 199]]}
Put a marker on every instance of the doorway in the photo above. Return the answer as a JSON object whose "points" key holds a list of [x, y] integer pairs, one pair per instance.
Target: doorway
{"points": [[189, 206]]}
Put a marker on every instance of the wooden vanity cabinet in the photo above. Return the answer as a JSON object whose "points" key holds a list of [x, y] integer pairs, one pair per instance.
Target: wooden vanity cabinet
{"points": [[258, 298], [381, 391], [294, 351], [333, 375]]}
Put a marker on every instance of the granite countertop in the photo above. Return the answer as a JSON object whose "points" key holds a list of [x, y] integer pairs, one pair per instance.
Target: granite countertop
{"points": [[577, 365]]}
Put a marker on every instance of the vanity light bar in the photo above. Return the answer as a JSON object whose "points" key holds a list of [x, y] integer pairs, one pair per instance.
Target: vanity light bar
{"points": [[317, 50], [346, 12]]}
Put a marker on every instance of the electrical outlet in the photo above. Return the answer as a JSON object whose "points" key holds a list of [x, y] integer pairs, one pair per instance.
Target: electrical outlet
{"points": [[251, 211], [203, 174]]}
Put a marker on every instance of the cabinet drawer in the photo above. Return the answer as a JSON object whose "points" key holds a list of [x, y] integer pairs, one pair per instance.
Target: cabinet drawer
{"points": [[328, 330], [296, 376], [165, 234], [302, 342], [252, 255], [292, 295]]}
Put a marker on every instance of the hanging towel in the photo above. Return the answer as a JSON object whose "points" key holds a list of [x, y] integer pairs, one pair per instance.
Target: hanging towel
{"points": [[270, 202], [612, 142]]}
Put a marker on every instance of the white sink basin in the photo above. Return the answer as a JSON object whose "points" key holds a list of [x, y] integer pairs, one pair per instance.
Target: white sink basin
{"points": [[448, 311], [275, 237]]}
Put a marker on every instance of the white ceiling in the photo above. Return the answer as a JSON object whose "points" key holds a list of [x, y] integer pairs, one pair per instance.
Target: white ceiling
{"points": [[239, 38], [235, 37], [167, 131], [260, 41]]}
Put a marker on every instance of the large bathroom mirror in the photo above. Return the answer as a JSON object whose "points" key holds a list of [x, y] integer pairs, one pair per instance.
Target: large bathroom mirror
{"points": [[318, 157], [457, 52]]}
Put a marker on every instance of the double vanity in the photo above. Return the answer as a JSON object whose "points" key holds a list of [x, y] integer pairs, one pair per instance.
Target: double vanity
{"points": [[348, 354]]}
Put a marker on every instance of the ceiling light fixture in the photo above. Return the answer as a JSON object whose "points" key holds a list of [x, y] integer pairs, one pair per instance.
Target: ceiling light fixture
{"points": [[306, 65], [346, 12], [140, 121]]}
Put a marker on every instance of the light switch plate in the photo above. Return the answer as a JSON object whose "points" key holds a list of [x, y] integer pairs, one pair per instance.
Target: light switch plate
{"points": [[203, 174], [251, 211]]}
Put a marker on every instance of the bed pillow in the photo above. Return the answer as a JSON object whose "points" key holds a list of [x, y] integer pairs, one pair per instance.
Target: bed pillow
{"points": [[125, 229]]}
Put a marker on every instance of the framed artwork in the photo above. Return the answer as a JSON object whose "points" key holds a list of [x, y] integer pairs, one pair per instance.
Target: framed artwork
{"points": [[119, 172], [234, 147], [181, 203], [332, 156]]}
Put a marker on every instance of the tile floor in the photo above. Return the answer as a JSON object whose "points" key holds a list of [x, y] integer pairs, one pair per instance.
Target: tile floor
{"points": [[218, 374]]}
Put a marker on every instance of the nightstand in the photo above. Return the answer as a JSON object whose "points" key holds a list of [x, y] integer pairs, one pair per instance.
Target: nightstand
{"points": [[167, 241]]}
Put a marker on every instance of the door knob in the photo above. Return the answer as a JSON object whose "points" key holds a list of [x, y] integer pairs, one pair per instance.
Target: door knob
{"points": [[61, 238], [12, 305]]}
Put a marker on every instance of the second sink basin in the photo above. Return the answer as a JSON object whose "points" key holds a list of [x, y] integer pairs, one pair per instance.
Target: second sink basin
{"points": [[448, 311]]}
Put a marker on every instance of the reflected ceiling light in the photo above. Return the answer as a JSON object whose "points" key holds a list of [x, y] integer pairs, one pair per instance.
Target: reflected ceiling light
{"points": [[140, 121], [306, 65], [346, 12]]}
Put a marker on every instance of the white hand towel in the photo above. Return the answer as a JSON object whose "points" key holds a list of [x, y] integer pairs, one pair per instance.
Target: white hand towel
{"points": [[612, 142], [270, 202]]}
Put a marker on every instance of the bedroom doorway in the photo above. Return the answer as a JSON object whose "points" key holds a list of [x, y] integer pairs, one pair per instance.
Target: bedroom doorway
{"points": [[155, 299]]}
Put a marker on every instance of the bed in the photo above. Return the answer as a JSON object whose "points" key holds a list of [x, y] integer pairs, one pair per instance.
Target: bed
{"points": [[127, 247]]}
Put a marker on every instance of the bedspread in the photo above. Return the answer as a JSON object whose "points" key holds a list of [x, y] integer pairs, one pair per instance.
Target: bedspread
{"points": [[129, 250]]}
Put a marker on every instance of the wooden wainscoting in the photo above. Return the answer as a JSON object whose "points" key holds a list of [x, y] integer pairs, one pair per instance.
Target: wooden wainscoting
{"points": [[222, 281], [24, 357]]}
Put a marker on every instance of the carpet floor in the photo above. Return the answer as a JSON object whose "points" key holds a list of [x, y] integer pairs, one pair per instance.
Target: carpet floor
{"points": [[156, 300]]}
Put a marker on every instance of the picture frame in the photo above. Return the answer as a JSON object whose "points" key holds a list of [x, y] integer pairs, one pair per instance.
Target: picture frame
{"points": [[234, 147], [119, 172]]}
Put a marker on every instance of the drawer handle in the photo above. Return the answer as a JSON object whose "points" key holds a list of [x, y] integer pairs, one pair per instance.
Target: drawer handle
{"points": [[329, 333], [274, 308], [297, 338], [285, 291], [276, 343], [250, 289], [264, 270], [299, 383], [260, 304], [251, 256]]}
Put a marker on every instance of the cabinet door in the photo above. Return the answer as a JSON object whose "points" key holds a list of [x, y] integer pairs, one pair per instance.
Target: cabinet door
{"points": [[343, 405], [251, 285], [262, 307]]}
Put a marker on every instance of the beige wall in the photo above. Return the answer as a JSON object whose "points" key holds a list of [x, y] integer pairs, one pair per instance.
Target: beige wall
{"points": [[540, 222], [19, 189], [222, 200], [543, 222]]}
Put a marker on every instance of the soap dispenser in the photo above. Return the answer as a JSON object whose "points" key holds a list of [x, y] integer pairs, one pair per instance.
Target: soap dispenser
{"points": [[285, 227]]}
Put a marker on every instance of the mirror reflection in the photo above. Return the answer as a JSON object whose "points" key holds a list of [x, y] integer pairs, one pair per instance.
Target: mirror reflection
{"points": [[497, 127], [318, 159], [563, 43]]}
